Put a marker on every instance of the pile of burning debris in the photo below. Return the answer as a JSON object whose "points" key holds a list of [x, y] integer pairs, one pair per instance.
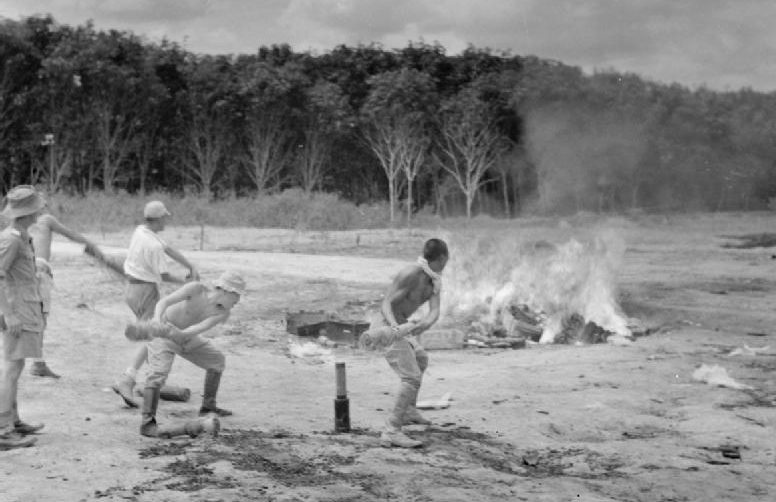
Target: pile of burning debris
{"points": [[520, 325], [562, 293]]}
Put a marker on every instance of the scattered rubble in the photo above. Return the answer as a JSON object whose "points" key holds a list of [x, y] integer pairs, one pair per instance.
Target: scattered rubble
{"points": [[717, 375]]}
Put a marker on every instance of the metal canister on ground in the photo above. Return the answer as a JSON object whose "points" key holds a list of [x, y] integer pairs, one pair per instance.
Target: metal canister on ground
{"points": [[341, 401]]}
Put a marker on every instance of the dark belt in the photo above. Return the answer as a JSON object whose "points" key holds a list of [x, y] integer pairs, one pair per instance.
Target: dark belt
{"points": [[133, 280]]}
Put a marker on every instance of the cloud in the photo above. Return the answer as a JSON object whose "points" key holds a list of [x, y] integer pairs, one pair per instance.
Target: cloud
{"points": [[717, 42], [125, 11]]}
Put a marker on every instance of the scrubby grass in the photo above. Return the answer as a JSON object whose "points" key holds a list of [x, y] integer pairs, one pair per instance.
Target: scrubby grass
{"points": [[291, 209]]}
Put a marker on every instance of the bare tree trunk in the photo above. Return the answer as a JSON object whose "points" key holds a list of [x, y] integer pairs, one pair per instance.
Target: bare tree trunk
{"points": [[409, 202], [392, 197], [505, 191]]}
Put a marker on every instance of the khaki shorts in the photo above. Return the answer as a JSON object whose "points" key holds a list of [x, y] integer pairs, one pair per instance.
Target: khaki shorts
{"points": [[142, 299], [28, 344]]}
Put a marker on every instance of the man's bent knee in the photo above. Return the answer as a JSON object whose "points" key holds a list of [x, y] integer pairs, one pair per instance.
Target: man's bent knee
{"points": [[218, 364]]}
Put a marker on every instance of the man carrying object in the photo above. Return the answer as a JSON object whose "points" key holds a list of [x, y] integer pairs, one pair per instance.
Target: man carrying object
{"points": [[179, 318], [412, 287]]}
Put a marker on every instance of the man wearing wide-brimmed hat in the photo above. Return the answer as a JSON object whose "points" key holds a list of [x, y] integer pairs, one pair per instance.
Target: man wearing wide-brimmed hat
{"points": [[178, 320], [21, 305]]}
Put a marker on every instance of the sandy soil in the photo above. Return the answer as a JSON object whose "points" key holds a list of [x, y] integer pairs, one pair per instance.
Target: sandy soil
{"points": [[594, 423]]}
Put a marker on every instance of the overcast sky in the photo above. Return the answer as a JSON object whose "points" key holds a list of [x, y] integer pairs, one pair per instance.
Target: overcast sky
{"points": [[724, 44]]}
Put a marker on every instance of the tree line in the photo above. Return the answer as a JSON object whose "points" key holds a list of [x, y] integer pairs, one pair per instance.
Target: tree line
{"points": [[83, 109]]}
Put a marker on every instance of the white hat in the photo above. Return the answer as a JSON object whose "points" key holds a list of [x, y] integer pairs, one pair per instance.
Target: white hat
{"points": [[21, 201], [232, 282], [155, 209]]}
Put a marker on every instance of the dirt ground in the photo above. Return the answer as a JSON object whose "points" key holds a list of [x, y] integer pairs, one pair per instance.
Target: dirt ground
{"points": [[545, 423]]}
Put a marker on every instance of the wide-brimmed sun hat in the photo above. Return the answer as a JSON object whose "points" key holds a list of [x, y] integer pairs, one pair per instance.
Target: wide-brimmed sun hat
{"points": [[232, 282], [155, 209], [21, 201]]}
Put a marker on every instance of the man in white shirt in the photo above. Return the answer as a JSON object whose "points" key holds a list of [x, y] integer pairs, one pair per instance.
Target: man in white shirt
{"points": [[146, 269]]}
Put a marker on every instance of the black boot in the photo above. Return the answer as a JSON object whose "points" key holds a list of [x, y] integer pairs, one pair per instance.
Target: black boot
{"points": [[212, 381], [150, 403]]}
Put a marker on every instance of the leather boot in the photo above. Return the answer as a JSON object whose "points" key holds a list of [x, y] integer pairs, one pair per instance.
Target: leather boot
{"points": [[209, 425], [41, 369], [412, 415], [212, 382], [150, 403], [392, 435], [124, 389]]}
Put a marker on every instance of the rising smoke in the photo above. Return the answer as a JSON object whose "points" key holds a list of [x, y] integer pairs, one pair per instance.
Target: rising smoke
{"points": [[584, 159]]}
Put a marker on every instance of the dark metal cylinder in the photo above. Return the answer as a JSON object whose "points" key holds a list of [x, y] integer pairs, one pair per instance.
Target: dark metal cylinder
{"points": [[342, 414]]}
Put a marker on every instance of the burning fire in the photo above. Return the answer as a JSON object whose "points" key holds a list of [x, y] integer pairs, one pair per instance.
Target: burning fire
{"points": [[551, 289]]}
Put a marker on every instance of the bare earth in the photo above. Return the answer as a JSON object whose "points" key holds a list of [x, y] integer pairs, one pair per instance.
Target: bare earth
{"points": [[547, 423]]}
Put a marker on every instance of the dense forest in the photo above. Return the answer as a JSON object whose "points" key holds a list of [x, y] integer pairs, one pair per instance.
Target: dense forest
{"points": [[478, 132]]}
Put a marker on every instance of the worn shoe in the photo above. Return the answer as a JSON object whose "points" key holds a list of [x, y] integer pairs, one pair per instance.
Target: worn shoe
{"points": [[397, 438], [124, 388], [412, 416], [41, 369], [11, 440], [221, 412], [24, 428]]}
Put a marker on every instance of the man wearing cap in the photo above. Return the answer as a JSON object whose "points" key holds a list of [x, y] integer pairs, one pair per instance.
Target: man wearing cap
{"points": [[21, 305], [42, 232], [178, 320], [146, 268]]}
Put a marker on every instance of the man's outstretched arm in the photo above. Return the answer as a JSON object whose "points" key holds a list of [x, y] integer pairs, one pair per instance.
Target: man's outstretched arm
{"points": [[178, 256]]}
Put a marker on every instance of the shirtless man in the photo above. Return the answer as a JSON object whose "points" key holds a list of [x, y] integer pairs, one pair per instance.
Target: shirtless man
{"points": [[146, 268], [179, 318], [412, 287], [42, 232]]}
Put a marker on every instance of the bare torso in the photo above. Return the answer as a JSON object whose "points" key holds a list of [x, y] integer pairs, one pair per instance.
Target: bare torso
{"points": [[419, 289], [194, 309]]}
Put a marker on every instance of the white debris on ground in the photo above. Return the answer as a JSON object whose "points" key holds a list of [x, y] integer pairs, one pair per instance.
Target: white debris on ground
{"points": [[310, 351], [746, 350], [717, 375], [435, 404]]}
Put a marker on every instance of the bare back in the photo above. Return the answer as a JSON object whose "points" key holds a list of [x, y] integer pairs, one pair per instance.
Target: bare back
{"points": [[410, 289], [195, 308]]}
